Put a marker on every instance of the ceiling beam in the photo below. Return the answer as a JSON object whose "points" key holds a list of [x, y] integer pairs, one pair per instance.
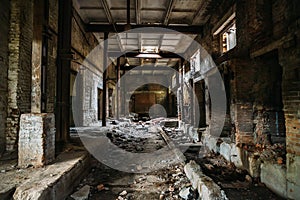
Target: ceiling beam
{"points": [[117, 54], [169, 10], [138, 11], [201, 10], [107, 11], [111, 21], [120, 28], [148, 68]]}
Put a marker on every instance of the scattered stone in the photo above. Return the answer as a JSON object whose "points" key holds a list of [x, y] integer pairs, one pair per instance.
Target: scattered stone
{"points": [[3, 171], [248, 178], [139, 167], [123, 193], [279, 160], [171, 188], [100, 187], [82, 194], [184, 193], [161, 196], [209, 166]]}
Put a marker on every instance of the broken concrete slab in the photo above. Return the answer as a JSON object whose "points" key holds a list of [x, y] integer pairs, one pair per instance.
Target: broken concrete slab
{"points": [[206, 187], [184, 193], [82, 194], [274, 177], [254, 165], [236, 156], [55, 181], [211, 143], [225, 150]]}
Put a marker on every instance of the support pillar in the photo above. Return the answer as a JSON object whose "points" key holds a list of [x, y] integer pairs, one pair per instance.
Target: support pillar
{"points": [[118, 88], [104, 104], [63, 71]]}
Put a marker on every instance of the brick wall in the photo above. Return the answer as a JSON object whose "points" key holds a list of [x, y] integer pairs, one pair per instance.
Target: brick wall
{"points": [[291, 96], [52, 54], [4, 29], [19, 71], [82, 45]]}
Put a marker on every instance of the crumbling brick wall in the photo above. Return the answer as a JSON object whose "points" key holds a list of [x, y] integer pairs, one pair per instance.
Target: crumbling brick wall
{"points": [[82, 45], [19, 71], [4, 29], [52, 55]]}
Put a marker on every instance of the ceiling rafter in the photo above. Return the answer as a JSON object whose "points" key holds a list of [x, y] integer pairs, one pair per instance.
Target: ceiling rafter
{"points": [[169, 10], [201, 10], [121, 27], [138, 11], [111, 21], [107, 11]]}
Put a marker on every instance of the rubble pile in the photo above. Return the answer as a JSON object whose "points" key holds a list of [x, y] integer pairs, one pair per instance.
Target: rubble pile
{"points": [[136, 137], [106, 183]]}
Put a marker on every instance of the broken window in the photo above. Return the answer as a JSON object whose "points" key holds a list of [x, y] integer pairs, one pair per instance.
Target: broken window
{"points": [[228, 38], [226, 31]]}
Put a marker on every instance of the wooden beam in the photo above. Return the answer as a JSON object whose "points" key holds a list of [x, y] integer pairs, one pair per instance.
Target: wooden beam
{"points": [[138, 11], [107, 11], [117, 54], [169, 10], [201, 10], [120, 28]]}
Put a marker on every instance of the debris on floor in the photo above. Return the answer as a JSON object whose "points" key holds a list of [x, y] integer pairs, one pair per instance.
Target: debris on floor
{"points": [[237, 183]]}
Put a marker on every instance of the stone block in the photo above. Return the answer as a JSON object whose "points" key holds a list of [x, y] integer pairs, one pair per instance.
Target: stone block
{"points": [[193, 172], [194, 134], [236, 156], [293, 174], [211, 143], [254, 165], [225, 150], [274, 177], [36, 140], [206, 187]]}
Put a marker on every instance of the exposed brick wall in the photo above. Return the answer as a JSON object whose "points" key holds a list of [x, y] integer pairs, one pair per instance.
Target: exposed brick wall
{"points": [[19, 72], [52, 54], [82, 45], [4, 29], [291, 97], [255, 82]]}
